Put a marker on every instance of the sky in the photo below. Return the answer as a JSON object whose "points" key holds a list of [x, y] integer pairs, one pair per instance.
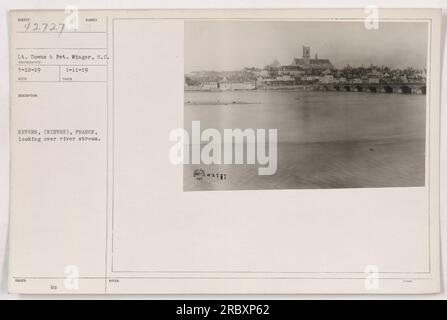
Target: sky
{"points": [[233, 45]]}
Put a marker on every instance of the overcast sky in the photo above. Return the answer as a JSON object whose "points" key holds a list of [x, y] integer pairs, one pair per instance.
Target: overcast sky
{"points": [[233, 45]]}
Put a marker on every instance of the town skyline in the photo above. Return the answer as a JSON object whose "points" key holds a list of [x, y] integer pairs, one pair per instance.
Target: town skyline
{"points": [[232, 46], [285, 64]]}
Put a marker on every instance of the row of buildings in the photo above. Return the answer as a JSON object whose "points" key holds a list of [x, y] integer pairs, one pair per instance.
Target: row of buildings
{"points": [[301, 71]]}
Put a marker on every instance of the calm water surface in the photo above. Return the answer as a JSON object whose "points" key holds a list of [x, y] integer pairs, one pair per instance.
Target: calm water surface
{"points": [[325, 139]]}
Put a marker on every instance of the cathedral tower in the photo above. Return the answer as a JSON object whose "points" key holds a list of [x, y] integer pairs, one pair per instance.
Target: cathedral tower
{"points": [[306, 55]]}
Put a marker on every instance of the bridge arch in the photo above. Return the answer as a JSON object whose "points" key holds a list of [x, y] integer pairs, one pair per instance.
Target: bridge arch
{"points": [[372, 89], [358, 88], [405, 89], [387, 89], [347, 88], [421, 90]]}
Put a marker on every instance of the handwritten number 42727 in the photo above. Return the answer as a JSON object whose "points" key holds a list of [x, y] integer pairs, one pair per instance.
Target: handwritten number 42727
{"points": [[44, 27]]}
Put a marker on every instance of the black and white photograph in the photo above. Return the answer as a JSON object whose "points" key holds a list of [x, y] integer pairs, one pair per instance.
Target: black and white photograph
{"points": [[304, 104], [224, 152]]}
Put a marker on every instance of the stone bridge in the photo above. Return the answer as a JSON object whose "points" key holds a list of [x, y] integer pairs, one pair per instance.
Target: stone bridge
{"points": [[405, 88]]}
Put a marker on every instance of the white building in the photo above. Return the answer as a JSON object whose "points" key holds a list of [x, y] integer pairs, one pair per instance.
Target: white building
{"points": [[210, 85], [237, 85], [327, 79]]}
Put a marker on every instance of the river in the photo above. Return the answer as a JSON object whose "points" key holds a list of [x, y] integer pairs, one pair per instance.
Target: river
{"points": [[325, 139]]}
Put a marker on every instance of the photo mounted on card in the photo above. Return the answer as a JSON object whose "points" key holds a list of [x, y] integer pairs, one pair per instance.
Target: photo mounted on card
{"points": [[225, 151]]}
